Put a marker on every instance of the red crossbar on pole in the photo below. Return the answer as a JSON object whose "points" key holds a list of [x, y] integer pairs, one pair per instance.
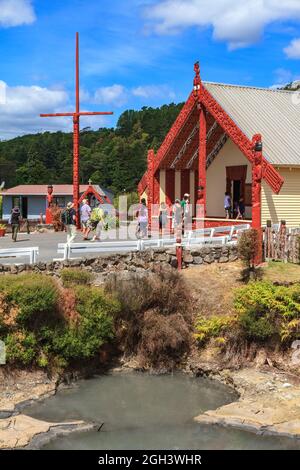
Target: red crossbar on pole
{"points": [[76, 132]]}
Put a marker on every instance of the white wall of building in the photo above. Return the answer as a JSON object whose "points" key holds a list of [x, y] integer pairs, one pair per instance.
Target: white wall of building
{"points": [[230, 155]]}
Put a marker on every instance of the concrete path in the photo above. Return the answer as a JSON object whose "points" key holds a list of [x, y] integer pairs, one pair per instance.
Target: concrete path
{"points": [[47, 243]]}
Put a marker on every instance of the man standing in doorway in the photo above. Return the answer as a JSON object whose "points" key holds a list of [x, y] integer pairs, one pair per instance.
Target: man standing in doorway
{"points": [[69, 221]]}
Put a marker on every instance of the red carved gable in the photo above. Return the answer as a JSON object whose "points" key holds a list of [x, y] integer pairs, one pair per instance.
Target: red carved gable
{"points": [[182, 129]]}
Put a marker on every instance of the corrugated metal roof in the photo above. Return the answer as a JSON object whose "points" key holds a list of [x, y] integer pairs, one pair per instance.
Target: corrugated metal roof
{"points": [[274, 114], [41, 190]]}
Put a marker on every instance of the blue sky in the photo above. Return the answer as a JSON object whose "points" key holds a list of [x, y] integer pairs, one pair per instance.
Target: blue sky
{"points": [[135, 53]]}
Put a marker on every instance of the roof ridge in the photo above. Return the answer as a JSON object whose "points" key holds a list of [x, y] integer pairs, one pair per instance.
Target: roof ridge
{"points": [[276, 90]]}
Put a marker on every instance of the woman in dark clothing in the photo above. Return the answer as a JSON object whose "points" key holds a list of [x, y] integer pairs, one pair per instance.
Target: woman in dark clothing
{"points": [[15, 222], [241, 209], [163, 217]]}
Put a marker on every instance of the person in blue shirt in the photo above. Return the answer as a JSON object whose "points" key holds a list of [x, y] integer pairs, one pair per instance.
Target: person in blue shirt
{"points": [[227, 205]]}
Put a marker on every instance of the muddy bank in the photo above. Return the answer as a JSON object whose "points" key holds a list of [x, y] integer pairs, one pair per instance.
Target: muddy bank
{"points": [[269, 402], [25, 432], [19, 387]]}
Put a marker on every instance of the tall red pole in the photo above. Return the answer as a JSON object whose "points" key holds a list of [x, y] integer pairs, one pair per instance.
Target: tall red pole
{"points": [[76, 133], [76, 141], [201, 190], [150, 175], [201, 199], [256, 194]]}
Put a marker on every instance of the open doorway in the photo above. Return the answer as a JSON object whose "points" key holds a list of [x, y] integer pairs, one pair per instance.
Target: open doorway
{"points": [[24, 207], [235, 185]]}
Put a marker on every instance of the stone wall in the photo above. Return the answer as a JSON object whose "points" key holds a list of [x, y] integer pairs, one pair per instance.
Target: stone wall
{"points": [[134, 262]]}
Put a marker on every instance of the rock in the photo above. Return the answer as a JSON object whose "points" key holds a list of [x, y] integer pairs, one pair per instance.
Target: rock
{"points": [[17, 431], [264, 406], [195, 252], [208, 259], [198, 260], [13, 269], [187, 258], [171, 251], [162, 257], [41, 266], [261, 358], [223, 259]]}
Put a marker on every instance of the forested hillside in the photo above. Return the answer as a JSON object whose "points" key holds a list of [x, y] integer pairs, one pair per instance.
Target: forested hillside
{"points": [[114, 158]]}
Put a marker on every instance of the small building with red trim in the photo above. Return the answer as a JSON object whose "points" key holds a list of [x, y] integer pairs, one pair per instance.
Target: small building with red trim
{"points": [[223, 136], [32, 198]]}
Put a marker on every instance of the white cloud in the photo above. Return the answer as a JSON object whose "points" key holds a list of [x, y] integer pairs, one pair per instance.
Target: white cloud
{"points": [[293, 49], [16, 13], [153, 92], [283, 77], [237, 23], [21, 107], [115, 95]]}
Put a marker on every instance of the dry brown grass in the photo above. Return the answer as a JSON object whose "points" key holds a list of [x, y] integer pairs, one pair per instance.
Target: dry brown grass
{"points": [[212, 287]]}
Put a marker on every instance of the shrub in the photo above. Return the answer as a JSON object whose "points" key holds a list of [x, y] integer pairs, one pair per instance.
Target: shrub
{"points": [[21, 348], [247, 247], [265, 310], [164, 340], [75, 276], [49, 326], [35, 296], [155, 317], [212, 327], [93, 328]]}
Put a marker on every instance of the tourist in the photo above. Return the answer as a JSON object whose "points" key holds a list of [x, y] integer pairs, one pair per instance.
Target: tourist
{"points": [[96, 223], [14, 220], [142, 216], [163, 217], [68, 218], [185, 204], [177, 217], [85, 213], [227, 205], [241, 209]]}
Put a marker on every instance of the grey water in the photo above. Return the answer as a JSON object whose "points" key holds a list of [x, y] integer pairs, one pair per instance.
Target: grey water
{"points": [[142, 411]]}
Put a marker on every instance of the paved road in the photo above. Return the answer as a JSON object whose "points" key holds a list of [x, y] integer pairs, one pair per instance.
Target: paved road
{"points": [[47, 243]]}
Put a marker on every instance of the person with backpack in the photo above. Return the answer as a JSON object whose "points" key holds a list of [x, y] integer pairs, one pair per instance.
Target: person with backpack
{"points": [[15, 219], [142, 216], [96, 222], [177, 217], [68, 218]]}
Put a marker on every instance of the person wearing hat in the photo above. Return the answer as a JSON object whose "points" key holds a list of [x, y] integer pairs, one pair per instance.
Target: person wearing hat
{"points": [[68, 218], [15, 218], [185, 204]]}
